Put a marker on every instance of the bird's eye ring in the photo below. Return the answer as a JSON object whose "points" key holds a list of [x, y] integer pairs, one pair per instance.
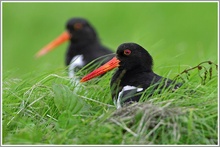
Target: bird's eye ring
{"points": [[127, 52], [77, 26]]}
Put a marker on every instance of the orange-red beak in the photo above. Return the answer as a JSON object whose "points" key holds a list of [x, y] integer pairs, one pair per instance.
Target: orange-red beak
{"points": [[49, 47], [113, 63]]}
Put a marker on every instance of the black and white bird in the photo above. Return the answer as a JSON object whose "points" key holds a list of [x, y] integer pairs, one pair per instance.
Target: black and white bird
{"points": [[84, 45], [133, 76]]}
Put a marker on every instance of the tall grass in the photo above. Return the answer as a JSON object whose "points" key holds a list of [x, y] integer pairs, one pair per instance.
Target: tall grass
{"points": [[53, 109]]}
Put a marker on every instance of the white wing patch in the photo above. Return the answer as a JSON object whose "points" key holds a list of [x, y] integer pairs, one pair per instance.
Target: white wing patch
{"points": [[76, 61], [125, 88]]}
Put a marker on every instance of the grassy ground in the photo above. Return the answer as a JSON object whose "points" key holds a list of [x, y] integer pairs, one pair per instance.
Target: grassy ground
{"points": [[40, 104]]}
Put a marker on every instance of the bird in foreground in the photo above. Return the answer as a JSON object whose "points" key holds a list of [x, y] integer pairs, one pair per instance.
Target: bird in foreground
{"points": [[133, 76], [84, 45]]}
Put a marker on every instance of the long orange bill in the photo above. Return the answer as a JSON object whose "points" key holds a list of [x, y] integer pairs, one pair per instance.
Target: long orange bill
{"points": [[113, 63], [49, 47]]}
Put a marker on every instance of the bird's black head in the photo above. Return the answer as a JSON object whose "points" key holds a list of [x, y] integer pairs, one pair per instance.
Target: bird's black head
{"points": [[134, 57], [80, 30]]}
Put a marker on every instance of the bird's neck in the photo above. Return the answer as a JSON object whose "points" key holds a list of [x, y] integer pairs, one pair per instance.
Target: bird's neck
{"points": [[82, 44], [122, 76], [136, 70]]}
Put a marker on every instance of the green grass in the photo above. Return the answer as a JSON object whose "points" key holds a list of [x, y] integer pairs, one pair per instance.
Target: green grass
{"points": [[41, 105], [49, 109]]}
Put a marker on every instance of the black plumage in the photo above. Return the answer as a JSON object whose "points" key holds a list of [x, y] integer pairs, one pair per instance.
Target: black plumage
{"points": [[84, 41], [135, 69]]}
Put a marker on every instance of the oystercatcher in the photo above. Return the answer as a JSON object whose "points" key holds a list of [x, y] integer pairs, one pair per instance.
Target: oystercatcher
{"points": [[84, 45], [133, 76]]}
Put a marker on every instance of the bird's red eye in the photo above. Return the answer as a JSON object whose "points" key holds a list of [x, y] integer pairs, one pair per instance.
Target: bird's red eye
{"points": [[77, 26], [127, 52]]}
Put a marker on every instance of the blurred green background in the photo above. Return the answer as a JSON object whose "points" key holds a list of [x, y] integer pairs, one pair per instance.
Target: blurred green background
{"points": [[177, 35]]}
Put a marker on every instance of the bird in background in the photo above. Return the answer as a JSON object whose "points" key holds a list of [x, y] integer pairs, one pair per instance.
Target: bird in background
{"points": [[84, 45], [133, 76]]}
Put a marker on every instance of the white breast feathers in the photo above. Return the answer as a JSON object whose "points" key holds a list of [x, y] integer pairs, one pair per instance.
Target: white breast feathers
{"points": [[124, 90]]}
